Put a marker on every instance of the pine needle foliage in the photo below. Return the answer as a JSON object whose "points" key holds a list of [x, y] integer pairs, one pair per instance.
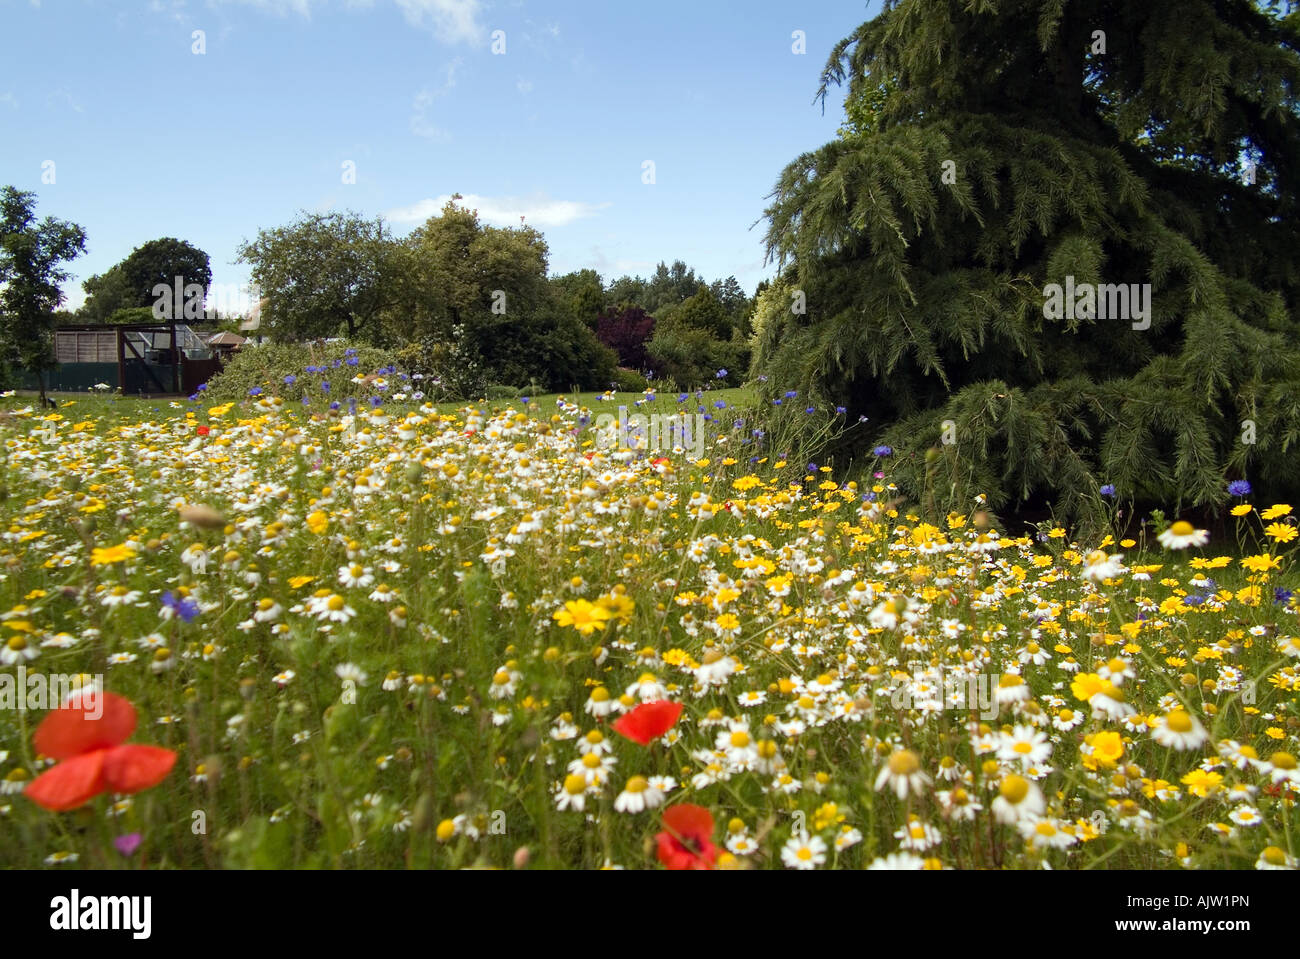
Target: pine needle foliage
{"points": [[995, 147]]}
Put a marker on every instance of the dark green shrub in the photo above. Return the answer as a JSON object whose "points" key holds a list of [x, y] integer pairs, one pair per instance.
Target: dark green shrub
{"points": [[630, 381]]}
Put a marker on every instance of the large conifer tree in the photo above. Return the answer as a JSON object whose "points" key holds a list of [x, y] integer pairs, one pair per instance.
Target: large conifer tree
{"points": [[995, 147]]}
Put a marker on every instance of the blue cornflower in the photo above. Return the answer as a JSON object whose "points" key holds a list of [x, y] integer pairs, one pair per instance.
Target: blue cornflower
{"points": [[1282, 596], [720, 405], [811, 409], [883, 451], [255, 391], [840, 411], [290, 380], [791, 394], [1108, 490], [324, 386], [722, 374], [1239, 488], [185, 608], [352, 361]]}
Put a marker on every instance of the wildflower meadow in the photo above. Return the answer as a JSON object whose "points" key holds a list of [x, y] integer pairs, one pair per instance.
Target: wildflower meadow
{"points": [[458, 437], [418, 636]]}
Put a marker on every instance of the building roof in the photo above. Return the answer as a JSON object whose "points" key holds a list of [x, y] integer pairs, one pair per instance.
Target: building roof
{"points": [[227, 339]]}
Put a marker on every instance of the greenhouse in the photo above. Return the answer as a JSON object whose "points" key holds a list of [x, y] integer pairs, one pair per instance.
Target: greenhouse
{"points": [[155, 359]]}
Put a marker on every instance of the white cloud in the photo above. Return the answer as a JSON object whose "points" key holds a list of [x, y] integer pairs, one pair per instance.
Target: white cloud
{"points": [[63, 96], [421, 125], [9, 98], [538, 210], [280, 7], [172, 9], [601, 262], [74, 297], [450, 21], [453, 21]]}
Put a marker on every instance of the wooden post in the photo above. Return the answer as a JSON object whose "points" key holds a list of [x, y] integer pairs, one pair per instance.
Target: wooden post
{"points": [[121, 363], [176, 361]]}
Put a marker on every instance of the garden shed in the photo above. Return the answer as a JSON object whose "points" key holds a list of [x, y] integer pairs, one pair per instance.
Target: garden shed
{"points": [[155, 359]]}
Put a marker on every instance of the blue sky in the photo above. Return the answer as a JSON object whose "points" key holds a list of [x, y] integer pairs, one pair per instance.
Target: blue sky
{"points": [[149, 138]]}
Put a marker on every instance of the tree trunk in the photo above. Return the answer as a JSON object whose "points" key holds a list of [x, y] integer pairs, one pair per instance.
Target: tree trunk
{"points": [[1068, 63]]}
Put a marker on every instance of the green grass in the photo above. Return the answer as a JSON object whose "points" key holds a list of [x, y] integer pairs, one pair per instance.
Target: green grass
{"points": [[483, 536]]}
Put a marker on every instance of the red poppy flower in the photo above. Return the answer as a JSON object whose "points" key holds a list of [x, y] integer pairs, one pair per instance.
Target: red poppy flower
{"points": [[204, 431], [648, 721], [687, 842], [93, 757]]}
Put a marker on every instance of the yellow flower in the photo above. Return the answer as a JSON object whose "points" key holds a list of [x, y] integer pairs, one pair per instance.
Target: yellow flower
{"points": [[1107, 748], [103, 556], [318, 522], [583, 616], [1202, 783], [826, 815], [1087, 685], [298, 582], [1241, 509], [1276, 512], [1281, 532], [1261, 563], [619, 606]]}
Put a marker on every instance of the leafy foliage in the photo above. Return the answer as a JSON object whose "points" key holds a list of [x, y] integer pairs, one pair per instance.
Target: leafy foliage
{"points": [[693, 357], [31, 258], [283, 369], [992, 150], [321, 276], [627, 329], [130, 284]]}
